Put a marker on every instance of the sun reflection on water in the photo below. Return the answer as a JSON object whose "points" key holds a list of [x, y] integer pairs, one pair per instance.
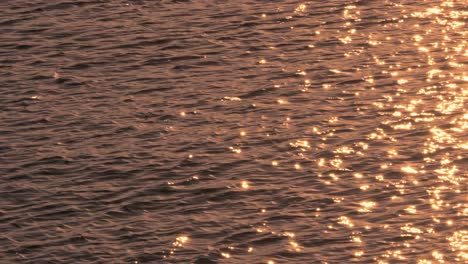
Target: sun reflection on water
{"points": [[406, 164]]}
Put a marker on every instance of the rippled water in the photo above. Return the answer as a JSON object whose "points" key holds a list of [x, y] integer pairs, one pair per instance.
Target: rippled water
{"points": [[241, 131]]}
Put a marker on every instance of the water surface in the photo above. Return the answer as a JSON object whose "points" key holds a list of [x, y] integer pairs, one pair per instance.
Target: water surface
{"points": [[240, 131]]}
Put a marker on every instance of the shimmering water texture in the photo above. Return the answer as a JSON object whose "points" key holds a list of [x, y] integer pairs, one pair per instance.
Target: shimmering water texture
{"points": [[243, 131]]}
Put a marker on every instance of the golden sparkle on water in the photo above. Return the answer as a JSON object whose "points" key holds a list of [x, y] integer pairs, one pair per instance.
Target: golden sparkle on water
{"points": [[366, 206], [405, 111], [345, 221], [180, 241], [235, 149], [245, 184]]}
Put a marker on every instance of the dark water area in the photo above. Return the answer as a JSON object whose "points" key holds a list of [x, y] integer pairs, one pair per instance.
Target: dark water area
{"points": [[241, 131]]}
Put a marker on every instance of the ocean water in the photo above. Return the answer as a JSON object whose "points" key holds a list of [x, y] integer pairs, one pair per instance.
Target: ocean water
{"points": [[246, 131]]}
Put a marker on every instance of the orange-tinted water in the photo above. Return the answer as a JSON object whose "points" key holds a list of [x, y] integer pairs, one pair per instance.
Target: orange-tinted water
{"points": [[241, 131]]}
